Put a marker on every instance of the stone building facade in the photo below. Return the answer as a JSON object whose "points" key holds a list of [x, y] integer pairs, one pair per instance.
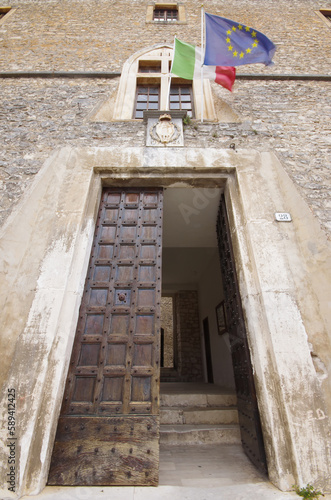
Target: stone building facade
{"points": [[266, 146]]}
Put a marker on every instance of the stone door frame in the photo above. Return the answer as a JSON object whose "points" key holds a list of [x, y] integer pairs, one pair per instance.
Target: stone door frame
{"points": [[52, 242]]}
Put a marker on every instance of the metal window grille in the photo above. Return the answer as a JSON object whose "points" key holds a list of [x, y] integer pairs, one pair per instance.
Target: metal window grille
{"points": [[165, 15], [181, 97], [147, 97]]}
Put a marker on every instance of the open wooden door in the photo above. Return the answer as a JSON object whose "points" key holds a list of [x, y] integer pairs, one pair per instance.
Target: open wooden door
{"points": [[249, 418], [108, 430]]}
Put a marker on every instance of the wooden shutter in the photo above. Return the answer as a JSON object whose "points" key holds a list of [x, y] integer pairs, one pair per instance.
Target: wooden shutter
{"points": [[108, 430], [249, 419]]}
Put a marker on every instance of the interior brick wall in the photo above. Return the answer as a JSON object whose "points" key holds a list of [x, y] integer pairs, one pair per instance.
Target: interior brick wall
{"points": [[188, 336]]}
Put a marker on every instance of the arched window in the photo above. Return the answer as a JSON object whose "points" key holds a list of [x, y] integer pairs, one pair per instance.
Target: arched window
{"points": [[144, 85]]}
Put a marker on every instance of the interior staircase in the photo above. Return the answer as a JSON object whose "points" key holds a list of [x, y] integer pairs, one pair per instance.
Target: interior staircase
{"points": [[197, 413]]}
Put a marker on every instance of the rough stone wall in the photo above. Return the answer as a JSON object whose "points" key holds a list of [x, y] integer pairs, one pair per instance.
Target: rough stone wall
{"points": [[188, 336], [102, 34], [37, 116], [167, 323], [293, 119]]}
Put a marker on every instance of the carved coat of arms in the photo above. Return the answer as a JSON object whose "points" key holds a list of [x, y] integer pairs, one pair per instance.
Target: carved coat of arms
{"points": [[165, 130]]}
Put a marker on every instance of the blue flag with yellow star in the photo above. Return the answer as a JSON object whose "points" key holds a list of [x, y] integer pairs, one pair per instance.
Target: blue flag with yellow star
{"points": [[229, 43]]}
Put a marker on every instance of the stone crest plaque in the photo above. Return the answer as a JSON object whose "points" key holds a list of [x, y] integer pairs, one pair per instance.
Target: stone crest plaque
{"points": [[164, 131]]}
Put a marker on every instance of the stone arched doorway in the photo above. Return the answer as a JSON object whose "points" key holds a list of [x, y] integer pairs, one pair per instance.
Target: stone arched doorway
{"points": [[266, 255]]}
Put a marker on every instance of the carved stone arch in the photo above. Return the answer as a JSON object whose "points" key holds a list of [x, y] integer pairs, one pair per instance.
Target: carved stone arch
{"points": [[122, 108], [127, 88]]}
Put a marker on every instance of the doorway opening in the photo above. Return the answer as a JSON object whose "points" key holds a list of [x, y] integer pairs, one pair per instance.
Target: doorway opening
{"points": [[192, 281], [113, 379], [210, 340]]}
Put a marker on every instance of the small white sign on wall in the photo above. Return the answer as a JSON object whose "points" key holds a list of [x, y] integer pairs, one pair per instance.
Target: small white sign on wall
{"points": [[283, 217]]}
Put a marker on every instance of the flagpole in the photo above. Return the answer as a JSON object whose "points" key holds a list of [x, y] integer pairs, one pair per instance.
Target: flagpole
{"points": [[169, 86], [202, 52]]}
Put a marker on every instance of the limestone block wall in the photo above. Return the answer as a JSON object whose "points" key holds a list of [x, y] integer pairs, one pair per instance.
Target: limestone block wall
{"points": [[290, 118], [38, 116], [188, 336], [100, 35], [284, 278]]}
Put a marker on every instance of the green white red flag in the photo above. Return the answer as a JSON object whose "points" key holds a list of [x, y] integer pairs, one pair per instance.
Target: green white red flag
{"points": [[187, 63]]}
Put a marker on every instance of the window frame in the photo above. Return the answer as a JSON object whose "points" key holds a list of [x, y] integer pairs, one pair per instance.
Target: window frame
{"points": [[150, 66], [172, 18], [148, 86], [124, 106], [180, 85], [181, 17], [323, 13], [6, 12]]}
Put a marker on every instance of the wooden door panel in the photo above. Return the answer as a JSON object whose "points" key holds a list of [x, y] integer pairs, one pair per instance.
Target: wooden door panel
{"points": [[114, 369], [249, 419], [127, 448]]}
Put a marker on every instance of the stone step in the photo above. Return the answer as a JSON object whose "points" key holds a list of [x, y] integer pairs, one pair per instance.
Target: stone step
{"points": [[203, 415], [170, 379], [169, 375], [197, 400], [199, 434]]}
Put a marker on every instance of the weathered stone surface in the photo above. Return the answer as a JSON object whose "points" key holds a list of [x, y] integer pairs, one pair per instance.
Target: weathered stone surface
{"points": [[37, 116], [284, 271], [93, 35], [44, 259], [295, 123]]}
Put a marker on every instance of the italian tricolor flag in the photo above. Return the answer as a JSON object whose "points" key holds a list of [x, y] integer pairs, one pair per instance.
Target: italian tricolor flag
{"points": [[187, 64]]}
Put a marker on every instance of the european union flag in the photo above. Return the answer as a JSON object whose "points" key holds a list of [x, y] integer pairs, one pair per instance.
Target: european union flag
{"points": [[229, 43]]}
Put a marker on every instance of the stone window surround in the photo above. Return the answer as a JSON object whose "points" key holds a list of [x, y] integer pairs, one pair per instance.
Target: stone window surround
{"points": [[170, 5], [275, 346], [125, 102], [322, 14], [7, 11]]}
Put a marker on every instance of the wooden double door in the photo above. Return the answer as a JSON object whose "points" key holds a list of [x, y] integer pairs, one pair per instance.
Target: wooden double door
{"points": [[248, 412], [108, 430]]}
